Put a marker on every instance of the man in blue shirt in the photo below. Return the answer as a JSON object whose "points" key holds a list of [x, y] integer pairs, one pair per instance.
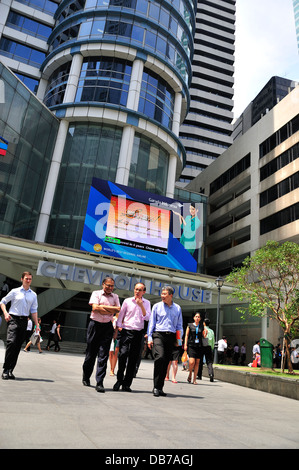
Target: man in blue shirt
{"points": [[23, 303], [166, 319]]}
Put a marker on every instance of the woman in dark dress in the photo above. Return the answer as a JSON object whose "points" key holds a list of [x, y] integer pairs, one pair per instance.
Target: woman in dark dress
{"points": [[193, 345]]}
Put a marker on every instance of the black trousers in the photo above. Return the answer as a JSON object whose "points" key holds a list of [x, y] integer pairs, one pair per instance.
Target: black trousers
{"points": [[16, 332], [129, 353], [163, 346], [208, 353], [99, 336]]}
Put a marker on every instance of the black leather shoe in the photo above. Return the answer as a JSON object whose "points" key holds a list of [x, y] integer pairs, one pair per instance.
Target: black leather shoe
{"points": [[85, 381], [100, 388], [211, 378], [156, 392], [162, 394], [5, 375], [10, 375], [116, 386], [126, 388]]}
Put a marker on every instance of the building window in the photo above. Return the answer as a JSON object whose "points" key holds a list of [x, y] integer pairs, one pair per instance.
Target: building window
{"points": [[279, 162], [289, 129], [279, 190], [156, 99], [149, 166], [27, 25], [105, 80], [279, 219], [21, 53], [42, 5], [57, 85], [230, 174]]}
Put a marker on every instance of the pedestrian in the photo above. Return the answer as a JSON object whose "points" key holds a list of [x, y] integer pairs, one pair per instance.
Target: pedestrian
{"points": [[23, 303], [57, 338], [166, 319], [51, 334], [28, 331], [173, 364], [208, 343], [38, 339], [236, 353], [222, 345], [256, 349], [134, 311], [105, 304], [114, 348], [243, 354], [193, 345]]}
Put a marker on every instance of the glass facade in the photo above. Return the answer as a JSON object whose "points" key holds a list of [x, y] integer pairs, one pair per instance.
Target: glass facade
{"points": [[105, 80], [164, 29], [91, 150], [27, 55], [31, 131]]}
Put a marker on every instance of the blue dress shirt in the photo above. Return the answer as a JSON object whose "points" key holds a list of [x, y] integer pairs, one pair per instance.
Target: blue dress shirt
{"points": [[23, 302], [165, 318]]}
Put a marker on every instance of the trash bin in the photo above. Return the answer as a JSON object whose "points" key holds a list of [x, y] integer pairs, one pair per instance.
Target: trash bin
{"points": [[266, 353]]}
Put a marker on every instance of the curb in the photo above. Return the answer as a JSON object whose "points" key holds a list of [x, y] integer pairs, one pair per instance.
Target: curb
{"points": [[283, 386]]}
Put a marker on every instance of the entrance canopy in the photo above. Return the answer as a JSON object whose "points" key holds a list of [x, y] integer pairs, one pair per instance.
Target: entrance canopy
{"points": [[74, 271]]}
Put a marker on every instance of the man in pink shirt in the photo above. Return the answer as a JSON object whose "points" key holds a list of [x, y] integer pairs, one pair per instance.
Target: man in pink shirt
{"points": [[104, 304], [134, 311]]}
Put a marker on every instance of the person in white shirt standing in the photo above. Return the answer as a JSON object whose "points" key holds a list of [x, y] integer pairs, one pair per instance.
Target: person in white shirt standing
{"points": [[23, 303], [222, 346]]}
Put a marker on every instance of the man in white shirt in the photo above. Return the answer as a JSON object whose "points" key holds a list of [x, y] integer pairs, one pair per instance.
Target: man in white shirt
{"points": [[222, 346], [23, 303]]}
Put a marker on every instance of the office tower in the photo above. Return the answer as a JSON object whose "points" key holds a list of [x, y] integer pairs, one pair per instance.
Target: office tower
{"points": [[117, 75], [206, 131]]}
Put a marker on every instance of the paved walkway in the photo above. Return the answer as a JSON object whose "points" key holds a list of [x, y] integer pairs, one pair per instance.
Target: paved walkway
{"points": [[48, 407]]}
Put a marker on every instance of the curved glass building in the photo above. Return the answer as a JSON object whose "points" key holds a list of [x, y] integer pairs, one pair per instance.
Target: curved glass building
{"points": [[117, 76]]}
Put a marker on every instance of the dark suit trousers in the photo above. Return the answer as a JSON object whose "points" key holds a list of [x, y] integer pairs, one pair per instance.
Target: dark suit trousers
{"points": [[163, 347], [208, 353], [16, 332], [129, 352], [99, 336]]}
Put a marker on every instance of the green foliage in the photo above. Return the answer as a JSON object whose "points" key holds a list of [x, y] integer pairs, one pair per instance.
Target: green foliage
{"points": [[269, 282]]}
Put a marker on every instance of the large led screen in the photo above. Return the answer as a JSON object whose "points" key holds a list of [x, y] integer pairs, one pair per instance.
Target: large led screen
{"points": [[135, 225]]}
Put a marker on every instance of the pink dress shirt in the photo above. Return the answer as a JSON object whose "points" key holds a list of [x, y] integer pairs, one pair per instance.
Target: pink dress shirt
{"points": [[130, 316], [99, 297]]}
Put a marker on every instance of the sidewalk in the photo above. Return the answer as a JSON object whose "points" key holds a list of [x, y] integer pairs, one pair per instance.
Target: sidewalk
{"points": [[47, 407]]}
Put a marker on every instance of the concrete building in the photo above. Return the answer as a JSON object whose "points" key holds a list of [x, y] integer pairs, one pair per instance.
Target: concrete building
{"points": [[253, 189], [207, 130], [272, 93]]}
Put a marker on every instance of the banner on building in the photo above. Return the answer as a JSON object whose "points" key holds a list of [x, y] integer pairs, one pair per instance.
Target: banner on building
{"points": [[135, 225]]}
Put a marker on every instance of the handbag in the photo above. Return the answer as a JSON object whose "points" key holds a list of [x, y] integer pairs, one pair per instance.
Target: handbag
{"points": [[184, 356], [34, 338]]}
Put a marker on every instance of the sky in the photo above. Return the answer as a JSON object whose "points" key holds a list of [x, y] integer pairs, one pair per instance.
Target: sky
{"points": [[266, 45]]}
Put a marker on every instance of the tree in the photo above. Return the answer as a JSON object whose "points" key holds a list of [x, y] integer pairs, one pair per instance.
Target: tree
{"points": [[269, 282]]}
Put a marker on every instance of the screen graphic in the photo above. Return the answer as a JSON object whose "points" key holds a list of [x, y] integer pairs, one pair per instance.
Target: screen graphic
{"points": [[135, 225]]}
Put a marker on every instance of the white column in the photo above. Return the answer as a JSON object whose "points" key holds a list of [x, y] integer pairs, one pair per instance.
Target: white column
{"points": [[51, 183], [135, 85], [125, 156], [41, 90], [171, 176], [264, 327], [72, 83], [126, 148], [177, 113]]}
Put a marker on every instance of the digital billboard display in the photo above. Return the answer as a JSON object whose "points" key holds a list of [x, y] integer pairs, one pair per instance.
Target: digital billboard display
{"points": [[135, 225]]}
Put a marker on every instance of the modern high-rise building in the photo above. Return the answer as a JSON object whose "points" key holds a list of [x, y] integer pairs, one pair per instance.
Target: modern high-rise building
{"points": [[117, 74], [207, 130]]}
